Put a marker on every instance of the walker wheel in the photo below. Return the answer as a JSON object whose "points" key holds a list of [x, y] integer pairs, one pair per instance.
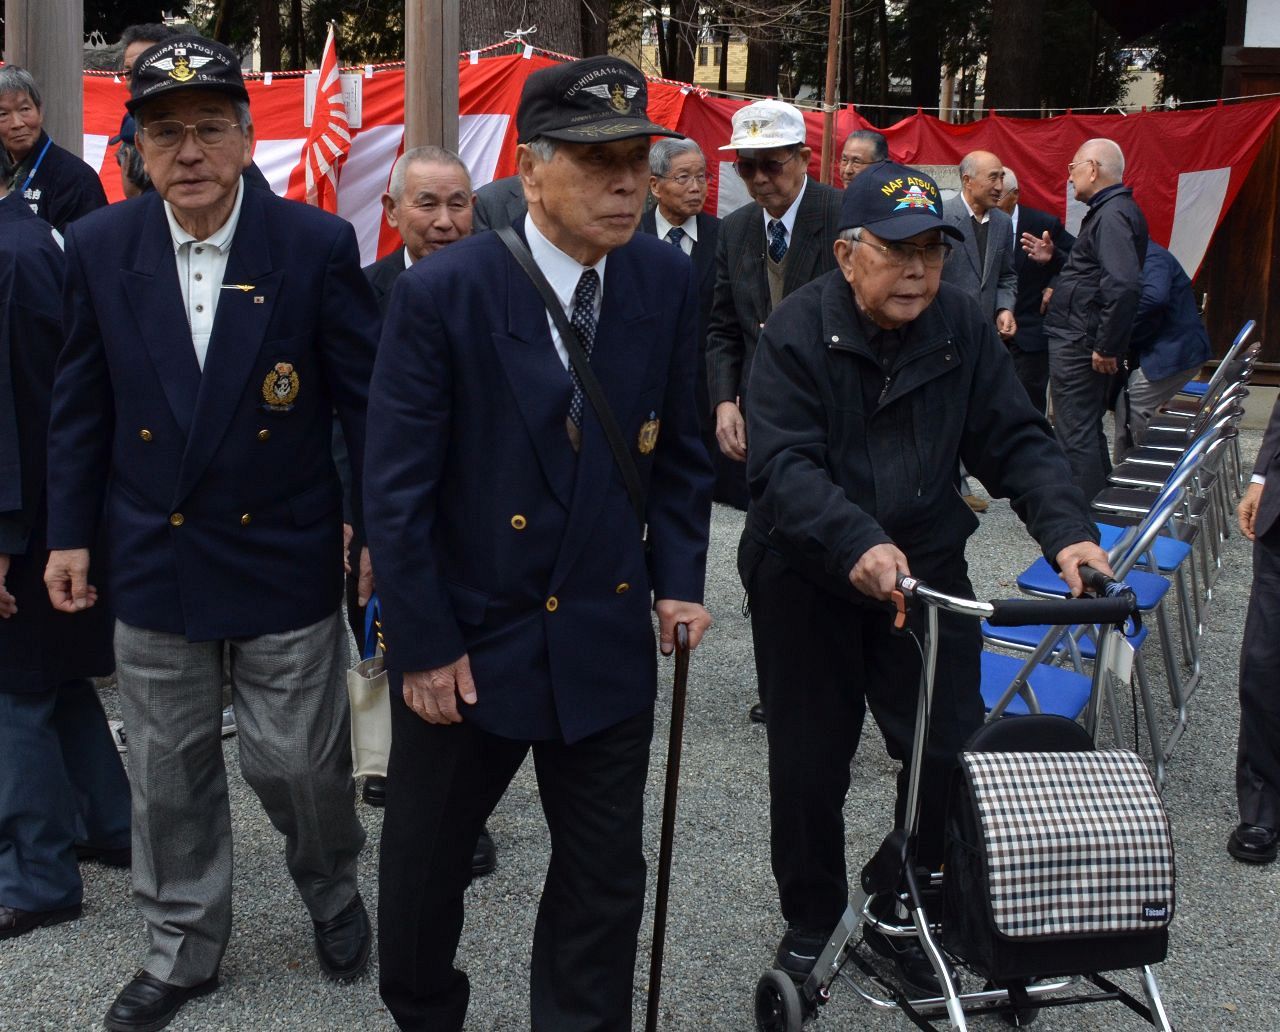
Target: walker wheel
{"points": [[778, 1003]]}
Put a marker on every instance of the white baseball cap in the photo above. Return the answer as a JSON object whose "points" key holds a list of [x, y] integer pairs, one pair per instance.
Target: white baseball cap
{"points": [[765, 124]]}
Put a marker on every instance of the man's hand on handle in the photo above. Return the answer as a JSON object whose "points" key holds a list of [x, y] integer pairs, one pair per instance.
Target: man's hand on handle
{"points": [[1071, 558], [434, 694], [66, 577], [876, 571], [731, 430], [671, 612]]}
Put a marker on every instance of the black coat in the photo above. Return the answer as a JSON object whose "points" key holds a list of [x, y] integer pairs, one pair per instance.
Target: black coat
{"points": [[382, 276], [63, 187], [741, 302], [1034, 277], [1097, 293], [831, 478], [39, 647]]}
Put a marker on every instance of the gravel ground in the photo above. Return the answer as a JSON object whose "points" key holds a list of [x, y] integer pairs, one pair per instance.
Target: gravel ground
{"points": [[1222, 971]]}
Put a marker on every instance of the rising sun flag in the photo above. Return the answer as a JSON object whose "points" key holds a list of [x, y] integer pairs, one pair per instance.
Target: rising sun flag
{"points": [[315, 179]]}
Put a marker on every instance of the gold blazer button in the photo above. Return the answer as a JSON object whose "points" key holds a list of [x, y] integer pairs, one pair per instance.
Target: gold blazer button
{"points": [[519, 522], [177, 520], [553, 604]]}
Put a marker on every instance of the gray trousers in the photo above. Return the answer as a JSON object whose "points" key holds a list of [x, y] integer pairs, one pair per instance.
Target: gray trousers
{"points": [[290, 697], [1138, 403], [1079, 402]]}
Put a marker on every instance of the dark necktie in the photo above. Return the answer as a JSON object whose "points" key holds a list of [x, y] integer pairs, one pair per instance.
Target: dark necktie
{"points": [[675, 234], [777, 240], [584, 322]]}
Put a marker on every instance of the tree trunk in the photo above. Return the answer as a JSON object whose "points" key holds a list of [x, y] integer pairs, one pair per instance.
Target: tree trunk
{"points": [[297, 36], [848, 57], [722, 34], [682, 39], [925, 52], [559, 23], [269, 29], [764, 60], [882, 37], [1013, 61], [595, 28]]}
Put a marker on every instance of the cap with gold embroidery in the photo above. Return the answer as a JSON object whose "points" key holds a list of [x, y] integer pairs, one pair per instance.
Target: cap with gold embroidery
{"points": [[894, 202], [766, 124], [185, 62], [594, 100]]}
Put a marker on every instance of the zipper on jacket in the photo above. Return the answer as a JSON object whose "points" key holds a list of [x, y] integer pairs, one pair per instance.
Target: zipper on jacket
{"points": [[884, 392]]}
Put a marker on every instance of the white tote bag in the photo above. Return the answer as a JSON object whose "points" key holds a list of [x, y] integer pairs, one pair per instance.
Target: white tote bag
{"points": [[370, 702]]}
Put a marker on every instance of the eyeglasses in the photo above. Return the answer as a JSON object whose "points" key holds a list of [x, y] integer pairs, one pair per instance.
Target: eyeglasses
{"points": [[854, 162], [210, 132], [747, 167], [684, 179], [899, 253], [1071, 166]]}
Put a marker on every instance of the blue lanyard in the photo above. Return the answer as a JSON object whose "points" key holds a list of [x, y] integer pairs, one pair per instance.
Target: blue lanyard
{"points": [[36, 167]]}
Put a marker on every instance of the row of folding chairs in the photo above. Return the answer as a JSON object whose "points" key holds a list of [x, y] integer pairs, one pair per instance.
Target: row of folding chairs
{"points": [[1163, 519]]}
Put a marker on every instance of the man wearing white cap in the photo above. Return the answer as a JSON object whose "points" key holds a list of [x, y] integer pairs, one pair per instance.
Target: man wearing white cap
{"points": [[767, 249]]}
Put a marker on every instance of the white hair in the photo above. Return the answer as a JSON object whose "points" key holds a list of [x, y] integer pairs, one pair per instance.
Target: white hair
{"points": [[1010, 180], [1107, 154]]}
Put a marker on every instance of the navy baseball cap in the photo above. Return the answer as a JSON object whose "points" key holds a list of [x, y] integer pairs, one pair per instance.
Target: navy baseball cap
{"points": [[594, 100], [185, 62], [128, 130], [894, 202]]}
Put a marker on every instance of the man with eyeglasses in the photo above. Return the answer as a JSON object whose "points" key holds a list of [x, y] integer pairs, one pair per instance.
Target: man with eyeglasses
{"points": [[862, 149], [1093, 307], [212, 330], [767, 249], [678, 186], [869, 386]]}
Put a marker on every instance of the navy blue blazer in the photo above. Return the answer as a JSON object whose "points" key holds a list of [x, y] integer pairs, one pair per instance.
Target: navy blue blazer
{"points": [[489, 534], [1168, 334], [39, 646], [222, 502], [1034, 277]]}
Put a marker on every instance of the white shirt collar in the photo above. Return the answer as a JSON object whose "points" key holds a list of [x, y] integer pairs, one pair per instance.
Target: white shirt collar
{"points": [[986, 215], [220, 238], [562, 271], [690, 226], [789, 216], [408, 258], [1014, 215]]}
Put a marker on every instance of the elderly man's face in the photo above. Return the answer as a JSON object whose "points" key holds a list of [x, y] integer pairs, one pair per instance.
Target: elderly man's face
{"points": [[774, 177], [983, 188], [683, 190], [1008, 200], [1083, 173], [435, 208], [892, 282], [198, 176], [20, 123], [855, 158], [588, 197]]}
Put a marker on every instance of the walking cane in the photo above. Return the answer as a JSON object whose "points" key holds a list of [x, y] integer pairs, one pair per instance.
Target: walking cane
{"points": [[674, 742]]}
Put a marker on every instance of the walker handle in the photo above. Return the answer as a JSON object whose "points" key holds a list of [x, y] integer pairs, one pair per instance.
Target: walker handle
{"points": [[1017, 612]]}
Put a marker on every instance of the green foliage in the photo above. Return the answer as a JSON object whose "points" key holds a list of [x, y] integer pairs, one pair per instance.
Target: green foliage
{"points": [[1188, 54]]}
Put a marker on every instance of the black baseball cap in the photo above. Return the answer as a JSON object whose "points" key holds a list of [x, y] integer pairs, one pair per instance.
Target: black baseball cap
{"points": [[894, 202], [594, 100], [185, 62]]}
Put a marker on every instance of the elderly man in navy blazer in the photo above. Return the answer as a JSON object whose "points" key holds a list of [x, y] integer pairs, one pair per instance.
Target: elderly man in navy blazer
{"points": [[212, 330], [517, 591]]}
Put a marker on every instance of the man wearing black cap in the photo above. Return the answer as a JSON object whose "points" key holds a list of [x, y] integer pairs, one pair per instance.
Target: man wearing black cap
{"points": [[212, 330], [870, 385], [516, 588]]}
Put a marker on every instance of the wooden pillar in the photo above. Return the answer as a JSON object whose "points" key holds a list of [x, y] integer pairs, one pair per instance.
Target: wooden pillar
{"points": [[431, 73], [47, 39]]}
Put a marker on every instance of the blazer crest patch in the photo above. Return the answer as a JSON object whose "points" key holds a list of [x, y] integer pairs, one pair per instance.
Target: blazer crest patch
{"points": [[648, 438], [280, 388]]}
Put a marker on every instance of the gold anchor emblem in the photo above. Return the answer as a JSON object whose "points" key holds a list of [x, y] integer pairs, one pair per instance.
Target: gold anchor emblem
{"points": [[618, 99], [181, 70]]}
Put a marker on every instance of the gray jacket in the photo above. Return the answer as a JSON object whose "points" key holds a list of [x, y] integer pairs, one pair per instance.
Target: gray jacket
{"points": [[993, 283]]}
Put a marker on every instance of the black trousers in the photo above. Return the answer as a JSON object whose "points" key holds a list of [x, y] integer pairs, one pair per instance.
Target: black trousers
{"points": [[1080, 399], [443, 781], [1032, 369], [822, 662], [1258, 754]]}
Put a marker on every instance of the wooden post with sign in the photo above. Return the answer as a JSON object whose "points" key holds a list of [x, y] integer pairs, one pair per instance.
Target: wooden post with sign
{"points": [[47, 39], [431, 73]]}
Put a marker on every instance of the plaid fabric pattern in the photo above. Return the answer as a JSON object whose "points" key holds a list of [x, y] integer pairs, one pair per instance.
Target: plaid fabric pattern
{"points": [[1076, 843]]}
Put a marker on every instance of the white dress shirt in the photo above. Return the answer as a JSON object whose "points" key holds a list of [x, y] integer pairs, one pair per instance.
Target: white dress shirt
{"points": [[201, 266], [690, 227], [562, 273], [788, 219], [986, 215]]}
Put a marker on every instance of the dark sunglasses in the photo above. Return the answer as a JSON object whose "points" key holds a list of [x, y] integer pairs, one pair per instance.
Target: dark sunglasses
{"points": [[747, 167]]}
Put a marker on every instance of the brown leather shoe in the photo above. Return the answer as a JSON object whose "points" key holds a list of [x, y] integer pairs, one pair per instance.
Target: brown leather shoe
{"points": [[975, 503], [15, 922]]}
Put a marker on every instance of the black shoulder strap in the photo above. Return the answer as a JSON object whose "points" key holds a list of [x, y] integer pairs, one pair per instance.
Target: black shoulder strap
{"points": [[582, 365]]}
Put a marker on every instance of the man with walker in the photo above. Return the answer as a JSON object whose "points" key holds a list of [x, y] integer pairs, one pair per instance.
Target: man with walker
{"points": [[871, 384]]}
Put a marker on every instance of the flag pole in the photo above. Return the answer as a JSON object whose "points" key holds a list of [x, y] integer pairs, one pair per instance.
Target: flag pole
{"points": [[829, 95]]}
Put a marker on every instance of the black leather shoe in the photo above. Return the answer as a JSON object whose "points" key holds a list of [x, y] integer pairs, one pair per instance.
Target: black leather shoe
{"points": [[915, 974], [374, 792], [342, 942], [15, 922], [147, 1004], [756, 713], [798, 951], [485, 858], [1253, 844], [122, 857]]}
